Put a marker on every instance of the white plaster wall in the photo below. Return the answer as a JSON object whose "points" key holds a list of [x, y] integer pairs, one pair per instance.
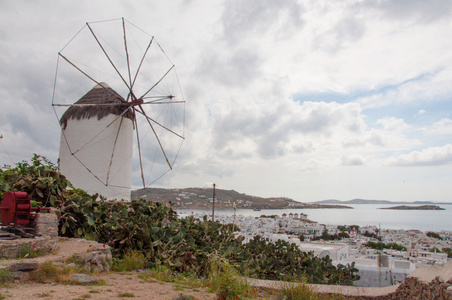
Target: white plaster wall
{"points": [[96, 155]]}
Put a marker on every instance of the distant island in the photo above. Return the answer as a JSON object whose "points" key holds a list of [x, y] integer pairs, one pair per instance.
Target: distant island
{"points": [[364, 201], [201, 198], [422, 207]]}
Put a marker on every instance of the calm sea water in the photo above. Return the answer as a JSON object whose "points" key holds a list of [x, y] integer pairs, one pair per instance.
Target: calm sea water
{"points": [[362, 214]]}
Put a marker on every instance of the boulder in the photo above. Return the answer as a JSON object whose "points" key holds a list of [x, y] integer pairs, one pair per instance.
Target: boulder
{"points": [[83, 278], [24, 267]]}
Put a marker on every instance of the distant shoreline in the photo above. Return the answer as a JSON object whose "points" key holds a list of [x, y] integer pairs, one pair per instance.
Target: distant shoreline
{"points": [[382, 202], [422, 207]]}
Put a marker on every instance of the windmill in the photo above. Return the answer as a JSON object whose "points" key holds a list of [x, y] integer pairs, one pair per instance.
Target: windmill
{"points": [[120, 107]]}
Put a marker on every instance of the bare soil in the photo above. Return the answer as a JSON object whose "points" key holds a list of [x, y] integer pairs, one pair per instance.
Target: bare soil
{"points": [[125, 285], [117, 285]]}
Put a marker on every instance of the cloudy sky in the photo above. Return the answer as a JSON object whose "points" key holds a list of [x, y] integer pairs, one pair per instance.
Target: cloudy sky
{"points": [[311, 100]]}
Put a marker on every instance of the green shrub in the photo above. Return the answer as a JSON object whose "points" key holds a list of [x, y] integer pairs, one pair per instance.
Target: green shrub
{"points": [[149, 234], [5, 276], [381, 245], [126, 295], [293, 291], [40, 179], [225, 280], [434, 235], [46, 272], [27, 251], [301, 291], [132, 260], [282, 260], [184, 297], [86, 296], [448, 251]]}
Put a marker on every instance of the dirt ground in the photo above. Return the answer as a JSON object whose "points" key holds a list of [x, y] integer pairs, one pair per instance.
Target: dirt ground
{"points": [[124, 285], [117, 285]]}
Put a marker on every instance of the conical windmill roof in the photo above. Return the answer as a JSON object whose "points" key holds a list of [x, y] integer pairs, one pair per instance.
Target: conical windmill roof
{"points": [[100, 94]]}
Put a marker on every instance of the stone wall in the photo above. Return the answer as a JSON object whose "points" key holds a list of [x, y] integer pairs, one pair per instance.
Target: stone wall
{"points": [[14, 248], [47, 224], [414, 289], [97, 260]]}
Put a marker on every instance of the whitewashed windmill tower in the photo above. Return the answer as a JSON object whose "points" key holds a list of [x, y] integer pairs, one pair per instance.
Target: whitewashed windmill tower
{"points": [[97, 141], [125, 135]]}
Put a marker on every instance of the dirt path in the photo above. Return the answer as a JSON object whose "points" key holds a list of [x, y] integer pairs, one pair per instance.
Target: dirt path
{"points": [[65, 248], [117, 285]]}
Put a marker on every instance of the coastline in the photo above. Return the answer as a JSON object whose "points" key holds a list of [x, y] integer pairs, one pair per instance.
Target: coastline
{"points": [[422, 207], [361, 214]]}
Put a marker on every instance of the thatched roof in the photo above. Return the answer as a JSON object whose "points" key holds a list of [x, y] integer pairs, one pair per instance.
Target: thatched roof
{"points": [[100, 94]]}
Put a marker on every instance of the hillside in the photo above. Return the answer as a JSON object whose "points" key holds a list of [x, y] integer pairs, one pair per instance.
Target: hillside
{"points": [[364, 201], [422, 207], [201, 198]]}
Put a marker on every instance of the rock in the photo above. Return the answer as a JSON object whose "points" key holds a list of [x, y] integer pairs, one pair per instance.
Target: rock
{"points": [[24, 266], [439, 279], [21, 276], [47, 223], [99, 260], [58, 264], [71, 265], [14, 248], [83, 278]]}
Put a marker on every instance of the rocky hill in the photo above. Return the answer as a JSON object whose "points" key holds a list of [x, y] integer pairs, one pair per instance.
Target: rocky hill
{"points": [[201, 198]]}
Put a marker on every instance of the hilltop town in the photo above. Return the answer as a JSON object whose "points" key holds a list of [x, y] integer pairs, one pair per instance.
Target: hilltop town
{"points": [[400, 252], [382, 256], [202, 198]]}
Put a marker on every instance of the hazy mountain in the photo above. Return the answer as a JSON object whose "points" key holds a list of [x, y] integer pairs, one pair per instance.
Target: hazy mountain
{"points": [[364, 201]]}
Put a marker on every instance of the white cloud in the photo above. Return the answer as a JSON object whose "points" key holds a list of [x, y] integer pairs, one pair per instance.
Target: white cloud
{"points": [[432, 156], [392, 124], [352, 160], [442, 127], [281, 128], [255, 19], [410, 10], [429, 88], [239, 63], [372, 138], [312, 165], [421, 112]]}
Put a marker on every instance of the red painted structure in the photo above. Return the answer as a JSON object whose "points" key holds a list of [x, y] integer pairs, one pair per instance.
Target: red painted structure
{"points": [[16, 208]]}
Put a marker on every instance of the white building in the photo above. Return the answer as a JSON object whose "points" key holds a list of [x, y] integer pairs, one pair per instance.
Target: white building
{"points": [[97, 143], [337, 252], [379, 273], [430, 258]]}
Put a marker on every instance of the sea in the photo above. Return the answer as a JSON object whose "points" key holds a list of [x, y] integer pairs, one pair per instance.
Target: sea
{"points": [[361, 214]]}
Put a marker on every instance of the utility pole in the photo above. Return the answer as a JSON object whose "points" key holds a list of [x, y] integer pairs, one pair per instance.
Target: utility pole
{"points": [[233, 222], [213, 204], [379, 256]]}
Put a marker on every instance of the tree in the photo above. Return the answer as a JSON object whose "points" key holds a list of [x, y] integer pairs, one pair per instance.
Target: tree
{"points": [[434, 235], [448, 251], [344, 235]]}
